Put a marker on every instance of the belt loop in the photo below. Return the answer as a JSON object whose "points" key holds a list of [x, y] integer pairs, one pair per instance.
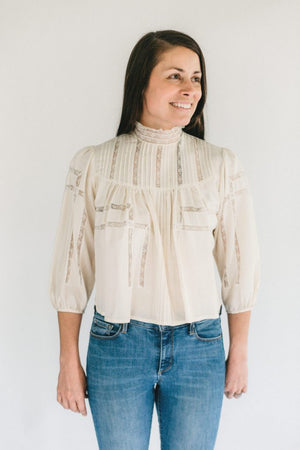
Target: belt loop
{"points": [[124, 327], [192, 328]]}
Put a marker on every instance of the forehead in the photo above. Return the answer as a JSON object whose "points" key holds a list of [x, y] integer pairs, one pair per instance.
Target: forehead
{"points": [[180, 57]]}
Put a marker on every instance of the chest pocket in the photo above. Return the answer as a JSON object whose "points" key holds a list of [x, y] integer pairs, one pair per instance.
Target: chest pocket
{"points": [[195, 218], [113, 214], [197, 207], [192, 218]]}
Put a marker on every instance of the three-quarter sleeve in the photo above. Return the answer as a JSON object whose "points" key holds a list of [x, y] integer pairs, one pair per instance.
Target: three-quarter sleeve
{"points": [[72, 275], [236, 249]]}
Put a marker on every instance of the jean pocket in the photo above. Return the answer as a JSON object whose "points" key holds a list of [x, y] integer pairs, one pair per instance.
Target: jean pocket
{"points": [[102, 329], [208, 330]]}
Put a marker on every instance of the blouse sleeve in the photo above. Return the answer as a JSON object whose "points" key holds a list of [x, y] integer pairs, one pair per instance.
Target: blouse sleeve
{"points": [[72, 275], [236, 249]]}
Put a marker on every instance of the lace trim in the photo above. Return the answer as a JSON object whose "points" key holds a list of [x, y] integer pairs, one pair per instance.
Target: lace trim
{"points": [[75, 186], [135, 163], [70, 254], [157, 136], [179, 165], [79, 241], [114, 159], [223, 234], [158, 164]]}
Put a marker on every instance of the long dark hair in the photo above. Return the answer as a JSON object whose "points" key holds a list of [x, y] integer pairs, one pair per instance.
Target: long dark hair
{"points": [[143, 58]]}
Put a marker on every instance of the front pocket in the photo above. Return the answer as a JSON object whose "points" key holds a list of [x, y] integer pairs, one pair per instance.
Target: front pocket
{"points": [[104, 330], [208, 330]]}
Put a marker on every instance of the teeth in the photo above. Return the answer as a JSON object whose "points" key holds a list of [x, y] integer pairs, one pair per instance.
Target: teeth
{"points": [[182, 105]]}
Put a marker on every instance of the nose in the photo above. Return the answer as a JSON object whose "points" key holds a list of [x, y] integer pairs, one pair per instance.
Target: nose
{"points": [[188, 88]]}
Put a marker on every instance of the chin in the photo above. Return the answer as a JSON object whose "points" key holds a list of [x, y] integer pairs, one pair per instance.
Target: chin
{"points": [[185, 122]]}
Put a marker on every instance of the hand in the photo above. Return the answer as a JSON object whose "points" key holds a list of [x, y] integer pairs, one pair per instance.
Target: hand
{"points": [[236, 376], [71, 388]]}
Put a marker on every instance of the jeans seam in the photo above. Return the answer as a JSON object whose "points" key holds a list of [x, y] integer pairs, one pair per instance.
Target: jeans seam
{"points": [[160, 416]]}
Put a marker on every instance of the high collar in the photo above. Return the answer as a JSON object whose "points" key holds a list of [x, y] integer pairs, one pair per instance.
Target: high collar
{"points": [[158, 136]]}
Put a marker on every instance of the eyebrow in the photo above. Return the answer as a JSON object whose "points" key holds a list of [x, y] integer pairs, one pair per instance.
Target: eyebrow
{"points": [[181, 70]]}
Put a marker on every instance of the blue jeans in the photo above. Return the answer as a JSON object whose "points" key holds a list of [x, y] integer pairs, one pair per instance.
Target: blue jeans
{"points": [[132, 366]]}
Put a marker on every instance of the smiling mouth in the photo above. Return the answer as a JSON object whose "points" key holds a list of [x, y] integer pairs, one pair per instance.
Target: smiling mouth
{"points": [[182, 106]]}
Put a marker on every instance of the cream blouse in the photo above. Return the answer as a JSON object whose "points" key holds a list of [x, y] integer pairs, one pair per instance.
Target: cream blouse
{"points": [[144, 217]]}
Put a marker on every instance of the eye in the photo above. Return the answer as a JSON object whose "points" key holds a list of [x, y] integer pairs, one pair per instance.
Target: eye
{"points": [[198, 79]]}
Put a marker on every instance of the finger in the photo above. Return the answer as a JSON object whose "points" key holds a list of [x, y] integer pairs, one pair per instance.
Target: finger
{"points": [[229, 394], [73, 406], [65, 403], [237, 394], [81, 406]]}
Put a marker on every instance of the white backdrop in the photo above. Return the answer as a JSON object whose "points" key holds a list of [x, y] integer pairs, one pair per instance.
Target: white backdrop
{"points": [[62, 73]]}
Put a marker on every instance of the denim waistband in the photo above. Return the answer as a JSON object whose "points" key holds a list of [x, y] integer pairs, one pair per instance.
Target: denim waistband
{"points": [[155, 325]]}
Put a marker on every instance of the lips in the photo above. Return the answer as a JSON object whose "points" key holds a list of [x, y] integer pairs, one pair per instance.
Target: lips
{"points": [[177, 105]]}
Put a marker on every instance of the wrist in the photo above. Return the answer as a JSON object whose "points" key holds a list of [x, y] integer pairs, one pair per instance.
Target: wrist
{"points": [[238, 350], [238, 344], [69, 359]]}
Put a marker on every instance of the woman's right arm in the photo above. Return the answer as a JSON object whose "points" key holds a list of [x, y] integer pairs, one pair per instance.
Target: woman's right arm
{"points": [[71, 386], [72, 275]]}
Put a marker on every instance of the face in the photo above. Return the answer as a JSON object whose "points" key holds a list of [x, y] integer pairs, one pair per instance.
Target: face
{"points": [[173, 91]]}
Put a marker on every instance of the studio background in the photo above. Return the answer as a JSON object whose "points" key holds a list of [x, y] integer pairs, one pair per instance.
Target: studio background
{"points": [[62, 73]]}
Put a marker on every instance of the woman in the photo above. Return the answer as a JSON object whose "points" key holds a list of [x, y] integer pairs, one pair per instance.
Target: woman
{"points": [[144, 215]]}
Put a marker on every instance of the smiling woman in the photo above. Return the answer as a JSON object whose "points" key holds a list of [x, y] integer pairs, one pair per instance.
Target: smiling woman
{"points": [[171, 99], [145, 215]]}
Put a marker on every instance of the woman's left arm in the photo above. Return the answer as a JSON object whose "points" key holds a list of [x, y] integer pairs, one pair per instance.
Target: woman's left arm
{"points": [[237, 255], [237, 361]]}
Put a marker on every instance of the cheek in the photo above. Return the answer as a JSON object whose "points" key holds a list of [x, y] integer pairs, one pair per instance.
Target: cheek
{"points": [[199, 95], [161, 100], [155, 98]]}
